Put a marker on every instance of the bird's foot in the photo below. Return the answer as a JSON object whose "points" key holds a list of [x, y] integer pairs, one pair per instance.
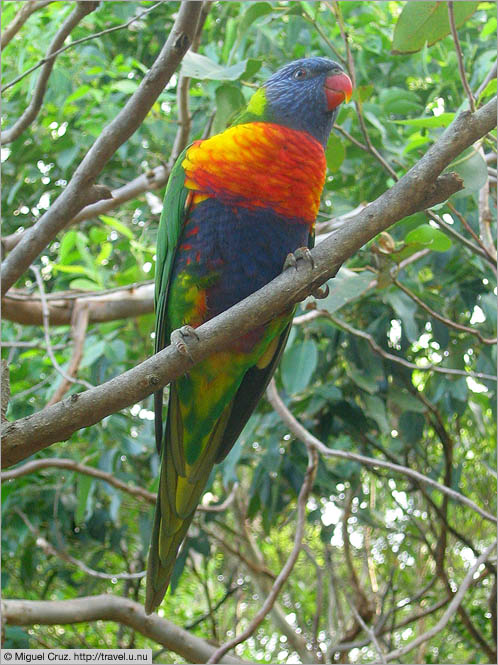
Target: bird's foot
{"points": [[182, 337], [301, 254]]}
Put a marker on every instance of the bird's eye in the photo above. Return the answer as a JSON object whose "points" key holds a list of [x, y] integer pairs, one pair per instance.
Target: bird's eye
{"points": [[300, 73]]}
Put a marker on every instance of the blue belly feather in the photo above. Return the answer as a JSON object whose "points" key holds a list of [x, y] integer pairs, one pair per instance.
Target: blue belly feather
{"points": [[235, 251]]}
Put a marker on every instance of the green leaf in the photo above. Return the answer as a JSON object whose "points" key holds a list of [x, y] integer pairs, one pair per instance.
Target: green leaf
{"points": [[400, 101], [126, 85], [229, 100], [297, 366], [423, 23], [117, 226], [67, 244], [362, 378], [430, 237], [334, 153], [84, 485], [82, 284], [255, 10], [411, 426], [201, 67], [404, 309], [66, 157], [472, 168], [441, 120], [93, 351], [345, 287]]}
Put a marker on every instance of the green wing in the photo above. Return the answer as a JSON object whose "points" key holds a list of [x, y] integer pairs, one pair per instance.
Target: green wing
{"points": [[168, 235]]}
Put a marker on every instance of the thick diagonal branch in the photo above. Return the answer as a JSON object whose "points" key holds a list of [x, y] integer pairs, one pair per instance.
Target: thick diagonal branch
{"points": [[409, 194]]}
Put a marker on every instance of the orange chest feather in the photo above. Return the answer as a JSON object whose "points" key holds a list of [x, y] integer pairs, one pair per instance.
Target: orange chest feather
{"points": [[259, 165]]}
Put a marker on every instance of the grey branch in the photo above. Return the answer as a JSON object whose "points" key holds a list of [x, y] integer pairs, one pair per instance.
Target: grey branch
{"points": [[153, 179], [107, 607], [125, 302], [80, 11], [127, 121], [69, 464], [450, 610], [20, 19], [288, 566], [56, 423], [310, 440]]}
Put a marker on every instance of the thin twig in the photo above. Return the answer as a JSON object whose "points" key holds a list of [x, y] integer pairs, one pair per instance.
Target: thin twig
{"points": [[357, 102], [49, 549], [485, 217], [465, 224], [317, 313], [461, 66], [440, 317], [80, 191], [368, 631], [20, 19], [289, 564], [110, 478], [450, 610], [46, 328], [81, 10], [454, 234], [306, 437], [79, 328], [51, 55]]}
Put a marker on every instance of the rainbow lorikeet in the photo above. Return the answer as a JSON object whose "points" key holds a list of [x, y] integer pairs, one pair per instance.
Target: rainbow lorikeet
{"points": [[236, 205]]}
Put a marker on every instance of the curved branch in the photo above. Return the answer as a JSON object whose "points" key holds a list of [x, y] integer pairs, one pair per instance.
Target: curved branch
{"points": [[127, 121], [107, 607], [309, 440], [288, 566], [54, 54], [134, 490], [450, 610], [121, 303], [11, 30], [411, 193], [81, 10]]}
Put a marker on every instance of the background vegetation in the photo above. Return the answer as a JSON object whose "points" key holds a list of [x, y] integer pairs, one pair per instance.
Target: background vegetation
{"points": [[397, 363]]}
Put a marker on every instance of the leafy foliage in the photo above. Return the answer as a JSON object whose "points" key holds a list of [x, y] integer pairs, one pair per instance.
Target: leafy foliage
{"points": [[356, 377]]}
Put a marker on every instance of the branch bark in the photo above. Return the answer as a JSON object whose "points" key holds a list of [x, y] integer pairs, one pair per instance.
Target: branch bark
{"points": [[107, 607], [116, 304], [76, 194], [20, 19], [411, 193]]}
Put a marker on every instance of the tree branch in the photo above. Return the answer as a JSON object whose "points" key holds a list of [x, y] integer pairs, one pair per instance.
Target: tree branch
{"points": [[81, 10], [52, 55], [450, 610], [75, 196], [289, 564], [461, 66], [107, 607], [133, 300], [152, 179], [306, 437], [11, 30], [409, 194], [134, 490]]}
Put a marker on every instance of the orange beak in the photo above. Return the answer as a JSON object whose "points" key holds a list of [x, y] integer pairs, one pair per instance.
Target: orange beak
{"points": [[338, 89]]}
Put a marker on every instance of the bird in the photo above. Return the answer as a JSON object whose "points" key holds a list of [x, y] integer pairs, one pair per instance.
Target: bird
{"points": [[237, 207]]}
